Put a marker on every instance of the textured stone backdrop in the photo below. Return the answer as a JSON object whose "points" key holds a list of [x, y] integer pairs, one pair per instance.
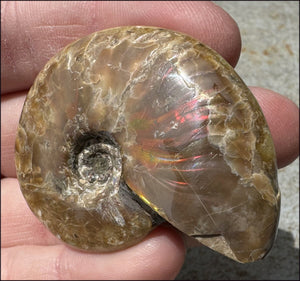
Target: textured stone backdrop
{"points": [[269, 59]]}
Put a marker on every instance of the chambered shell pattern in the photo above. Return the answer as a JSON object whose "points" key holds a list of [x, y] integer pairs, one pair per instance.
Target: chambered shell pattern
{"points": [[130, 125]]}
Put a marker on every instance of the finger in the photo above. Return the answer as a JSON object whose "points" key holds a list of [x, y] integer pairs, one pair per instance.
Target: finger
{"points": [[160, 256], [34, 31], [282, 116], [11, 107]]}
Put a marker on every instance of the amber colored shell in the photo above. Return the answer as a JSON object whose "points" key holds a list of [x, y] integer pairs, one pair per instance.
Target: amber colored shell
{"points": [[148, 113]]}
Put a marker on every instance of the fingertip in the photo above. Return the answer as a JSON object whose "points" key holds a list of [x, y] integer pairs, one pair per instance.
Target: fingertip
{"points": [[162, 254], [225, 36], [204, 20], [282, 116], [170, 244]]}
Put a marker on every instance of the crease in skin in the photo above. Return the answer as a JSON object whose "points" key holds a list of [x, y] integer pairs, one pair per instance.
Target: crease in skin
{"points": [[57, 26]]}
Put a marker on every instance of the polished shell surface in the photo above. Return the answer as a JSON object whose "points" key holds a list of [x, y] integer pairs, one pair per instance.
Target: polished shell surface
{"points": [[188, 137]]}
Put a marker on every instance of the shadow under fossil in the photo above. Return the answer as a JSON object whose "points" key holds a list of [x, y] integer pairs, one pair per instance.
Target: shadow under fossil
{"points": [[282, 263]]}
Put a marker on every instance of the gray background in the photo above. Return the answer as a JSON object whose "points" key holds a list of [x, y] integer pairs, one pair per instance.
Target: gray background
{"points": [[269, 59]]}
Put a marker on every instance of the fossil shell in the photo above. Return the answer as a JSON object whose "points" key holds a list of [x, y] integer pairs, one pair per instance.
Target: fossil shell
{"points": [[130, 125]]}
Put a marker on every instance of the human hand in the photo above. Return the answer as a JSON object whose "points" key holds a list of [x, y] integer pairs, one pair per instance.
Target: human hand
{"points": [[29, 250]]}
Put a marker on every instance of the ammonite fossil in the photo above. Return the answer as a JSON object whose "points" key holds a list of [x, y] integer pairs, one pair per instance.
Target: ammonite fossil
{"points": [[131, 126]]}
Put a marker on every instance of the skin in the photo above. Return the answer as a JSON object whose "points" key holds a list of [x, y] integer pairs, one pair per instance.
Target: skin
{"points": [[32, 32]]}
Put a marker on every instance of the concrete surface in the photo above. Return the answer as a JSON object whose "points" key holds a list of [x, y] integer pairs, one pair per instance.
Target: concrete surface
{"points": [[269, 59]]}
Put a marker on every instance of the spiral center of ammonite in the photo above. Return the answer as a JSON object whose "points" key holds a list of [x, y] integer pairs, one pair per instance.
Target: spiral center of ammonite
{"points": [[95, 163], [99, 166]]}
